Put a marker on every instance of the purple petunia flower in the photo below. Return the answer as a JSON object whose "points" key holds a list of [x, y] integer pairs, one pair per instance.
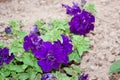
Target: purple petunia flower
{"points": [[72, 10], [83, 77], [4, 56], [32, 42], [35, 30], [8, 30], [52, 55], [82, 23], [48, 76], [67, 46]]}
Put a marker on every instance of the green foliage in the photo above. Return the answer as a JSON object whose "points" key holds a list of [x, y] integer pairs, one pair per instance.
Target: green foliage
{"points": [[28, 59], [73, 70], [25, 67], [15, 24], [74, 56], [80, 44], [43, 27], [90, 7], [1, 45], [39, 23], [52, 31], [115, 67], [61, 76], [60, 25]]}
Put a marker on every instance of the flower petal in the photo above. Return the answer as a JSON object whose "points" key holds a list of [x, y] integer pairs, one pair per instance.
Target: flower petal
{"points": [[46, 66]]}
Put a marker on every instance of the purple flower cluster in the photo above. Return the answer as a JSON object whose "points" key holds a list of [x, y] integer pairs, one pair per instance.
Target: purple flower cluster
{"points": [[50, 55], [82, 20], [72, 10], [32, 42], [82, 23], [4, 56], [83, 77]]}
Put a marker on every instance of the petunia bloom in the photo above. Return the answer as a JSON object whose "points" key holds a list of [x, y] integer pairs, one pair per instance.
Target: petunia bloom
{"points": [[83, 77], [4, 56], [35, 30], [32, 42], [67, 46], [48, 76], [8, 30], [75, 9], [82, 23], [51, 56]]}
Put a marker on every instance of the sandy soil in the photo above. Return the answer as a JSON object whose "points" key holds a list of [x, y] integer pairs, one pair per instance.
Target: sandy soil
{"points": [[105, 39]]}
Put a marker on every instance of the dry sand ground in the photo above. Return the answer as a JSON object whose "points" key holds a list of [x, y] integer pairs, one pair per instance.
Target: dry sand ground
{"points": [[105, 39]]}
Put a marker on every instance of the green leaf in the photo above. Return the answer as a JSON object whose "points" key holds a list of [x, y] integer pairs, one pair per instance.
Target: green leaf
{"points": [[52, 35], [80, 44], [28, 59], [15, 24], [16, 68], [39, 23], [73, 70], [14, 49], [14, 74], [90, 7], [2, 77], [76, 68], [75, 57], [37, 67], [22, 34], [60, 24], [24, 66], [69, 71], [1, 44], [4, 72], [38, 77], [115, 67], [61, 76], [23, 76], [74, 77], [32, 74]]}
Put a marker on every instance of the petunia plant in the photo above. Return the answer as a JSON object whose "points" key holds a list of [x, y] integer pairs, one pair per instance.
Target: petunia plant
{"points": [[49, 51]]}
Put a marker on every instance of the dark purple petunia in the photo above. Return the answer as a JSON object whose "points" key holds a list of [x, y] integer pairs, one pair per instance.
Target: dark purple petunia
{"points": [[32, 42], [51, 56], [8, 30], [82, 23], [83, 77], [75, 9], [35, 30], [4, 56], [67, 46], [48, 76]]}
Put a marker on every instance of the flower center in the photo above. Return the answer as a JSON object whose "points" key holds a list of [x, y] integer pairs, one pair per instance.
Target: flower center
{"points": [[50, 57]]}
